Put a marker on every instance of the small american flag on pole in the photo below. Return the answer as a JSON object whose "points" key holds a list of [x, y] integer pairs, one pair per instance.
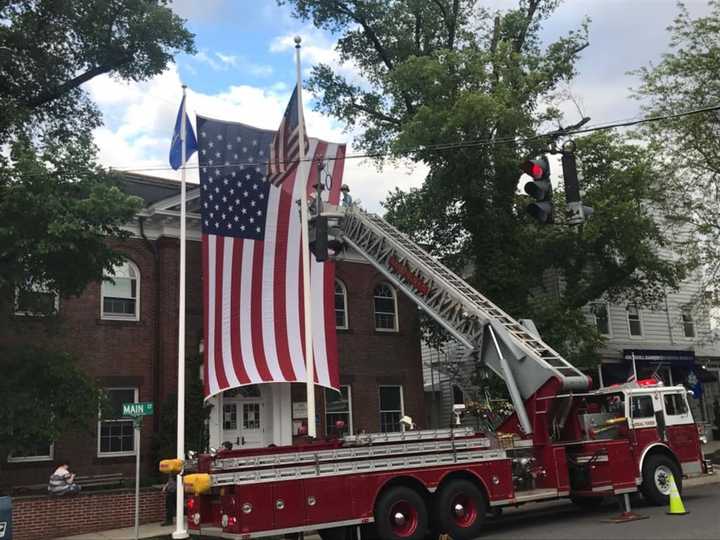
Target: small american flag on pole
{"points": [[251, 256], [285, 148]]}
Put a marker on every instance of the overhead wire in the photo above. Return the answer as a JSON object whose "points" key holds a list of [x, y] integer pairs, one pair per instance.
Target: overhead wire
{"points": [[460, 144]]}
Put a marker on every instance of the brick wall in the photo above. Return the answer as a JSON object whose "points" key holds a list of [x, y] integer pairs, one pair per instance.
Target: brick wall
{"points": [[143, 354], [38, 518]]}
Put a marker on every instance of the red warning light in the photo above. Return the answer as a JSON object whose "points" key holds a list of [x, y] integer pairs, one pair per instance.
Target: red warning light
{"points": [[532, 168]]}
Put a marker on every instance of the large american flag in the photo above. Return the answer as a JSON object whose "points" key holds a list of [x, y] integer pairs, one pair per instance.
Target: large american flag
{"points": [[285, 146], [252, 273]]}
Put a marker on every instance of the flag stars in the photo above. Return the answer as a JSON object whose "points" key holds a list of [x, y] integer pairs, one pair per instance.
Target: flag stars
{"points": [[242, 227], [237, 219], [248, 176], [229, 226], [261, 196], [203, 134], [217, 172], [251, 220], [219, 137], [244, 210], [255, 142], [229, 146], [233, 175], [211, 144], [238, 139], [224, 199], [257, 229], [252, 203], [225, 181]]}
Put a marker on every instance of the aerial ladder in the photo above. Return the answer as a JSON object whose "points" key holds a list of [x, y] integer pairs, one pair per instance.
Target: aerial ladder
{"points": [[510, 349]]}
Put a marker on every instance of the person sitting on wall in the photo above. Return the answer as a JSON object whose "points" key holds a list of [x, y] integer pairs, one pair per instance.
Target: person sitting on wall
{"points": [[62, 481]]}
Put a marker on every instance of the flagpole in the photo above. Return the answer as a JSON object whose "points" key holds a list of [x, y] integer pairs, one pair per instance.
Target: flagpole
{"points": [[180, 530], [634, 368], [309, 363]]}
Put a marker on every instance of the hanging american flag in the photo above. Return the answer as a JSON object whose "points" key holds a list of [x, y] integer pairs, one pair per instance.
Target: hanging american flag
{"points": [[285, 148], [252, 274]]}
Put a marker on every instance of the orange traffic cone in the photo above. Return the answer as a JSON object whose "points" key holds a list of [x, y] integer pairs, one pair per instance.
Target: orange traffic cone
{"points": [[677, 508]]}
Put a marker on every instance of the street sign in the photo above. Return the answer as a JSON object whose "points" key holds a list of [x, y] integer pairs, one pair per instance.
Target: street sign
{"points": [[137, 409]]}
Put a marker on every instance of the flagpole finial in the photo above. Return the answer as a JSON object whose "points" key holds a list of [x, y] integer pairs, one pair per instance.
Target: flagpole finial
{"points": [[298, 40]]}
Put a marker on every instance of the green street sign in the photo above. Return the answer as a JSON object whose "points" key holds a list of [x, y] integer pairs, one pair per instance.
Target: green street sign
{"points": [[137, 409]]}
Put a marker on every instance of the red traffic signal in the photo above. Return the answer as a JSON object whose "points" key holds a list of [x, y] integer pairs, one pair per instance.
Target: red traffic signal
{"points": [[539, 189], [539, 168]]}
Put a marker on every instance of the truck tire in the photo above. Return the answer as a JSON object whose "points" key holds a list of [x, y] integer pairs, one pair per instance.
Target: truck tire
{"points": [[460, 509], [656, 473], [401, 514]]}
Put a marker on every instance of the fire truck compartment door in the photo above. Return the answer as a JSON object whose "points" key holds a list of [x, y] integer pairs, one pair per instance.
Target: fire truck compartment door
{"points": [[288, 504]]}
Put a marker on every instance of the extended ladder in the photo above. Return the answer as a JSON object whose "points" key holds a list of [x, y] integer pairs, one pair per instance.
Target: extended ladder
{"points": [[521, 358]]}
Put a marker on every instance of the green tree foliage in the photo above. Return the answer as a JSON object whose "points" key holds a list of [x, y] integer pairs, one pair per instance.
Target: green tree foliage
{"points": [[449, 71], [197, 411], [689, 147], [57, 205], [60, 398]]}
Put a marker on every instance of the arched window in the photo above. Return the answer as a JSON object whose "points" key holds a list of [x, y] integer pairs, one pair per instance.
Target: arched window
{"points": [[341, 314], [385, 308], [121, 296]]}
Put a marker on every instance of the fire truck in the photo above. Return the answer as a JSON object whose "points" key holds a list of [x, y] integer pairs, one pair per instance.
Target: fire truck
{"points": [[562, 439]]}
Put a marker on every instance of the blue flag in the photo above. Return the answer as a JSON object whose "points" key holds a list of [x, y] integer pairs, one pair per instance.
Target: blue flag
{"points": [[191, 145]]}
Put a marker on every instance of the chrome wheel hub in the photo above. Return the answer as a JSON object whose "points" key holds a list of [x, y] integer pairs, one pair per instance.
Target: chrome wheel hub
{"points": [[662, 479]]}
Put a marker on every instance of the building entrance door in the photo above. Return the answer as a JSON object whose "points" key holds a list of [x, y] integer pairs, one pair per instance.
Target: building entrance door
{"points": [[243, 418]]}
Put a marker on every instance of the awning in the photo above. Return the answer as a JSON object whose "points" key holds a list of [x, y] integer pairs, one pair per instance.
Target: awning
{"points": [[665, 357]]}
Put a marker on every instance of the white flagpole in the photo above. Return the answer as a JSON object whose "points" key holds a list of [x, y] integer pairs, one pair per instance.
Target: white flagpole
{"points": [[302, 168], [180, 530], [634, 368]]}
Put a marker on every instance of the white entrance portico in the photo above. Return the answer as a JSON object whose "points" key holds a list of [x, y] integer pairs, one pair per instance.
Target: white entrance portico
{"points": [[251, 416]]}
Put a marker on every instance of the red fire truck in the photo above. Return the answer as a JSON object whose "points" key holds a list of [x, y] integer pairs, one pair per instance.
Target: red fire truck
{"points": [[562, 440]]}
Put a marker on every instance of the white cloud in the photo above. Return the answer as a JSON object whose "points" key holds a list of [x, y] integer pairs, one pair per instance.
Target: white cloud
{"points": [[141, 116]]}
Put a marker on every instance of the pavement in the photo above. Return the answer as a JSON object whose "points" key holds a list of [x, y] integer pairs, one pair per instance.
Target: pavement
{"points": [[542, 513]]}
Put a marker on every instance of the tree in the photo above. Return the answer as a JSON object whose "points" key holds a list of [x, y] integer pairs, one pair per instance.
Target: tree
{"points": [[689, 147], [60, 212], [462, 90], [58, 207], [61, 398]]}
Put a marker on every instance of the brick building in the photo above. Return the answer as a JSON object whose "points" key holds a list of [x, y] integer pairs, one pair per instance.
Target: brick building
{"points": [[125, 336]]}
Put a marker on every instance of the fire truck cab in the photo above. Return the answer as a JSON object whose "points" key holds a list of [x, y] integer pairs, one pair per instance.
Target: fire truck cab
{"points": [[656, 423]]}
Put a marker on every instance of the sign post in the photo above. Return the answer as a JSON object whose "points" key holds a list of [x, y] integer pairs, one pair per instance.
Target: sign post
{"points": [[136, 411]]}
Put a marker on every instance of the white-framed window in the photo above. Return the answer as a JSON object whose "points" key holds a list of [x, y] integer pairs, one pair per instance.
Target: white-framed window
{"points": [[391, 407], [385, 302], [341, 312], [36, 300], [36, 452], [634, 323], [338, 406], [121, 300], [688, 322], [601, 314], [116, 436]]}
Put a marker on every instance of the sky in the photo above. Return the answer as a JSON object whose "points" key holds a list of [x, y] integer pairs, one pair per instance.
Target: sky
{"points": [[244, 71]]}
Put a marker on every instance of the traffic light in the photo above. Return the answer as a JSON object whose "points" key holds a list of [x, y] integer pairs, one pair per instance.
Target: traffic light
{"points": [[539, 189], [319, 238], [577, 212]]}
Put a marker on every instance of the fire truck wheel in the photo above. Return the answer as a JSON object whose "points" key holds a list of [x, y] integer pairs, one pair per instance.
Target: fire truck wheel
{"points": [[656, 473], [460, 508], [400, 513]]}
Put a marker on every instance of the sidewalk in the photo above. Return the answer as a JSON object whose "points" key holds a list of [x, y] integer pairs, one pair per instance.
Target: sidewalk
{"points": [[150, 530]]}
